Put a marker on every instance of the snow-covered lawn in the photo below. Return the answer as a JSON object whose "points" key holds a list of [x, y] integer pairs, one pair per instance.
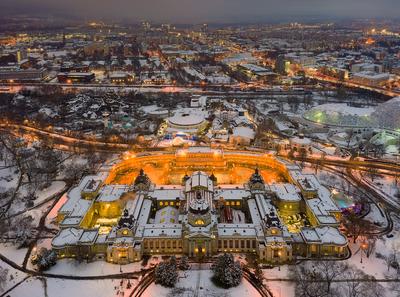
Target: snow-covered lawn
{"points": [[376, 217], [93, 288], [32, 285], [385, 184], [54, 188], [73, 267], [13, 277], [193, 281], [8, 178], [279, 288], [10, 251]]}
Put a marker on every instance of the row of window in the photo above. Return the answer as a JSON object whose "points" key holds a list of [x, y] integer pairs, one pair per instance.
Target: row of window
{"points": [[236, 244], [232, 203], [169, 203], [165, 243]]}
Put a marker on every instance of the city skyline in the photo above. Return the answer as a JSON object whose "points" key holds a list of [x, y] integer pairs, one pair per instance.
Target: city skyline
{"points": [[220, 11]]}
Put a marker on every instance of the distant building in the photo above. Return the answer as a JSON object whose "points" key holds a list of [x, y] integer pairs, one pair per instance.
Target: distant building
{"points": [[362, 67], [76, 77], [282, 65], [16, 74], [371, 78], [121, 78]]}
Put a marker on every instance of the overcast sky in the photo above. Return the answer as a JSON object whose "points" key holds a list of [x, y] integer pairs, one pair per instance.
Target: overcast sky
{"points": [[192, 11]]}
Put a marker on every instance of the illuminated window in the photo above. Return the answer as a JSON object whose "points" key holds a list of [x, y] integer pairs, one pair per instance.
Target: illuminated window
{"points": [[173, 212], [163, 213], [171, 203], [125, 232], [237, 203], [199, 222], [172, 220], [161, 203]]}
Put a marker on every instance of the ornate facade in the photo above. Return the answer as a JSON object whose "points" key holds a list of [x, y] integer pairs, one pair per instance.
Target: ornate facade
{"points": [[200, 217]]}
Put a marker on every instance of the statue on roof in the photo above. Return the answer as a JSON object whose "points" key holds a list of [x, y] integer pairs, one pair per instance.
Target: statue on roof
{"points": [[142, 181], [256, 181], [213, 178]]}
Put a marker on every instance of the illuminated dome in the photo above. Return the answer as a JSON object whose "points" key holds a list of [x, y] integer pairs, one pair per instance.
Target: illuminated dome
{"points": [[340, 114]]}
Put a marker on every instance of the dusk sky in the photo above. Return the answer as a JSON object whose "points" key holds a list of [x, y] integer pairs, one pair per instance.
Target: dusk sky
{"points": [[205, 10]]}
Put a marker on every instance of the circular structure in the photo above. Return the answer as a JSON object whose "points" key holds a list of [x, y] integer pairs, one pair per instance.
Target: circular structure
{"points": [[185, 120], [384, 116]]}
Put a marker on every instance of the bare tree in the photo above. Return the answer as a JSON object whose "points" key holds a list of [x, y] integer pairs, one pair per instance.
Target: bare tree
{"points": [[329, 271], [309, 283], [359, 284], [357, 226], [3, 278]]}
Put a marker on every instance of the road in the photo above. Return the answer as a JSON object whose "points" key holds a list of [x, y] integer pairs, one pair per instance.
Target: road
{"points": [[351, 84]]}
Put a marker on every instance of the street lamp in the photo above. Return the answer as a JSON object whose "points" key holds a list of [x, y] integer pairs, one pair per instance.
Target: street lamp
{"points": [[363, 247]]}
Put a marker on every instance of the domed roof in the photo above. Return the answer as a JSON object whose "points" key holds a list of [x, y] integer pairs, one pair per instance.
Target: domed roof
{"points": [[256, 177], [384, 116], [186, 119], [387, 114], [142, 178], [340, 114]]}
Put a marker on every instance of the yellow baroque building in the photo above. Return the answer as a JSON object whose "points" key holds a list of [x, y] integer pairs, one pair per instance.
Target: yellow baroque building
{"points": [[200, 202]]}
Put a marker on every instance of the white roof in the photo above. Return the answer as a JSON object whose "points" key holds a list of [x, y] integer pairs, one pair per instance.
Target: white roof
{"points": [[167, 193], [286, 192], [324, 235], [68, 236], [89, 236], [236, 229], [199, 179], [166, 215], [231, 194], [186, 118], [162, 230], [112, 192], [244, 132]]}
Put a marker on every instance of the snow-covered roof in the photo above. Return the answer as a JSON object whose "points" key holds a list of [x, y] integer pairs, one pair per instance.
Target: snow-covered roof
{"points": [[231, 194], [88, 236], [187, 118], [244, 132], [162, 230], [324, 235], [286, 192], [166, 215], [199, 179], [65, 237], [111, 193], [167, 193], [236, 229]]}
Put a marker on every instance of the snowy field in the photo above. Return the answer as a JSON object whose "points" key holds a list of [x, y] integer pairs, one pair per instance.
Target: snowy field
{"points": [[199, 283]]}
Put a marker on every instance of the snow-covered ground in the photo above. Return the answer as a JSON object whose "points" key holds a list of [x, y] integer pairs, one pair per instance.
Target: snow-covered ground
{"points": [[279, 288], [8, 177], [11, 251], [73, 267], [199, 283]]}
